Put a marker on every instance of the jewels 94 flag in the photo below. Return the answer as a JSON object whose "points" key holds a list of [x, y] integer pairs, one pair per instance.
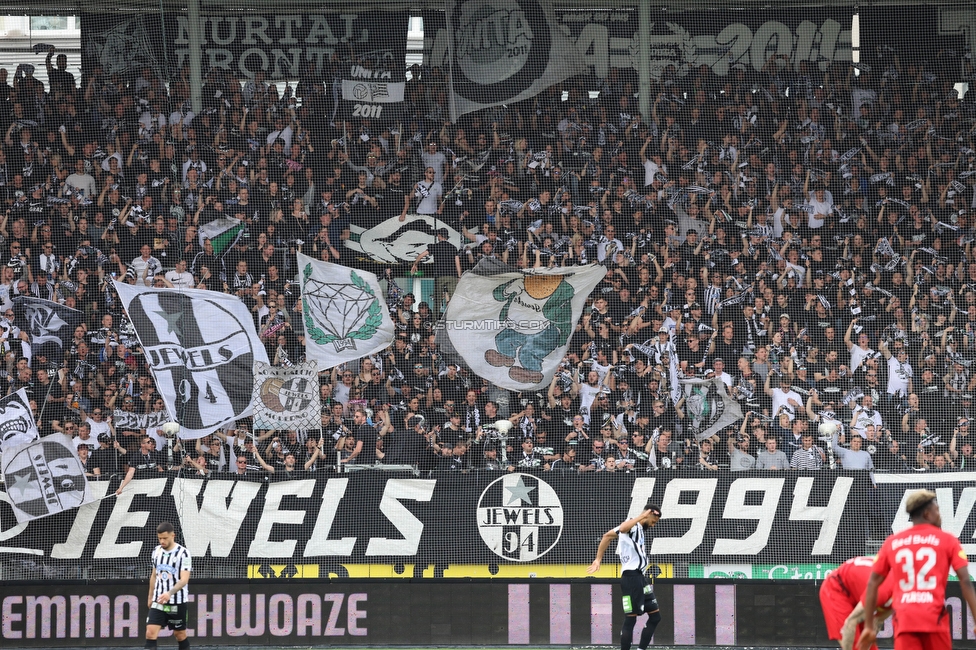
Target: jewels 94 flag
{"points": [[44, 478], [513, 327], [343, 311], [200, 347], [504, 51], [286, 398]]}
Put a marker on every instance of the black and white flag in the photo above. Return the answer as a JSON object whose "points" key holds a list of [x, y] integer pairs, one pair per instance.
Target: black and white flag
{"points": [[17, 426], [709, 406], [44, 478], [201, 347], [504, 51], [286, 398], [49, 325]]}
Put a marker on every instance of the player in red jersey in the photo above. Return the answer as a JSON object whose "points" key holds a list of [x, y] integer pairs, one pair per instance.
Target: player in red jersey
{"points": [[840, 599], [920, 558]]}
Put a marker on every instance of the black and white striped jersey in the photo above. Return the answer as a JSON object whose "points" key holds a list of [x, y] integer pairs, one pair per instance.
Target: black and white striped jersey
{"points": [[631, 549], [168, 565]]}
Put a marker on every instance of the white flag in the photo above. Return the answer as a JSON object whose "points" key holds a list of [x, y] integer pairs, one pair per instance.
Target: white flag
{"points": [[344, 313], [17, 425], [44, 477], [504, 51], [286, 398], [708, 406], [201, 347], [513, 327]]}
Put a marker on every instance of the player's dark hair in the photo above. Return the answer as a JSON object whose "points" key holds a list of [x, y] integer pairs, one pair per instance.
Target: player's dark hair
{"points": [[919, 511], [653, 507], [165, 527]]}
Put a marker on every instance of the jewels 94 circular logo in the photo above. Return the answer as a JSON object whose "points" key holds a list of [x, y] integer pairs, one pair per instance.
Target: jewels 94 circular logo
{"points": [[496, 50], [520, 517]]}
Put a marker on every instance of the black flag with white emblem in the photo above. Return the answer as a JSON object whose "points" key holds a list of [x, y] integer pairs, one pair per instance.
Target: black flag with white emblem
{"points": [[49, 325]]}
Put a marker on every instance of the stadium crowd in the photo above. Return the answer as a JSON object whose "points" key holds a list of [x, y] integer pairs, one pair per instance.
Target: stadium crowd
{"points": [[801, 235]]}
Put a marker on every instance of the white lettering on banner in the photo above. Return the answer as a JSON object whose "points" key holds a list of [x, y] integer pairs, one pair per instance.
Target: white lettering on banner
{"points": [[697, 512], [74, 545], [315, 37], [217, 513], [402, 519], [830, 515], [955, 515], [215, 524], [639, 494], [122, 517], [261, 545], [672, 44], [319, 542], [764, 514]]}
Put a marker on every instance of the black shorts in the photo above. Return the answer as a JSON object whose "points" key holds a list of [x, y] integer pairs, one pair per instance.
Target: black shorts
{"points": [[638, 594], [174, 619]]}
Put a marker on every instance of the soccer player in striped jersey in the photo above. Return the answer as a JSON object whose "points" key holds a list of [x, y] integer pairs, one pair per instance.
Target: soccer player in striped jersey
{"points": [[638, 592], [168, 592]]}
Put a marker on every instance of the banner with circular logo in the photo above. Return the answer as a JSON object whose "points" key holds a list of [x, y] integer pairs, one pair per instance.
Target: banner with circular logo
{"points": [[504, 51]]}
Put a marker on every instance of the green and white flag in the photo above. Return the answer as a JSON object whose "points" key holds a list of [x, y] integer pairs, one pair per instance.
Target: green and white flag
{"points": [[223, 233], [344, 313]]}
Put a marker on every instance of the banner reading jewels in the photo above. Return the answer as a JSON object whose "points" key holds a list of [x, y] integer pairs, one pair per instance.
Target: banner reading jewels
{"points": [[282, 45], [126, 420], [452, 526]]}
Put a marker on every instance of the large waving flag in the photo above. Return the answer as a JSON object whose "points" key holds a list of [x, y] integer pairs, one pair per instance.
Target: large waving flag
{"points": [[50, 325], [44, 477], [223, 233], [201, 347], [504, 51], [708, 406], [513, 327], [344, 312], [17, 426]]}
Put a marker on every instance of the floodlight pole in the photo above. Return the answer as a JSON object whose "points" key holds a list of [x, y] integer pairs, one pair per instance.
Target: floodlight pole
{"points": [[643, 63], [194, 28]]}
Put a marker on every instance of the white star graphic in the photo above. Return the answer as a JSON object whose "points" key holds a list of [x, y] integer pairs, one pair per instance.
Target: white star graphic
{"points": [[520, 492]]}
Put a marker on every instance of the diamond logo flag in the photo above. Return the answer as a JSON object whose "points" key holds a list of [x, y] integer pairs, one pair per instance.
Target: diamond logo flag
{"points": [[513, 327], [344, 313], [44, 478], [201, 347], [286, 398], [17, 425], [504, 51]]}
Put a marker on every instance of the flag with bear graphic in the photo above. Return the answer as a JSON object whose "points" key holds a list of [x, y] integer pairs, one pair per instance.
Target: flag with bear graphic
{"points": [[344, 313], [513, 327]]}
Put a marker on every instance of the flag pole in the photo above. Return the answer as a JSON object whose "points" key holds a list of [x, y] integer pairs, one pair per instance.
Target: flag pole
{"points": [[40, 416]]}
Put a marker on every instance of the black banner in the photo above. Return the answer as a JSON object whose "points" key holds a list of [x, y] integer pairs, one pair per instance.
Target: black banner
{"points": [[451, 525], [720, 39], [478, 613], [373, 88], [281, 45]]}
